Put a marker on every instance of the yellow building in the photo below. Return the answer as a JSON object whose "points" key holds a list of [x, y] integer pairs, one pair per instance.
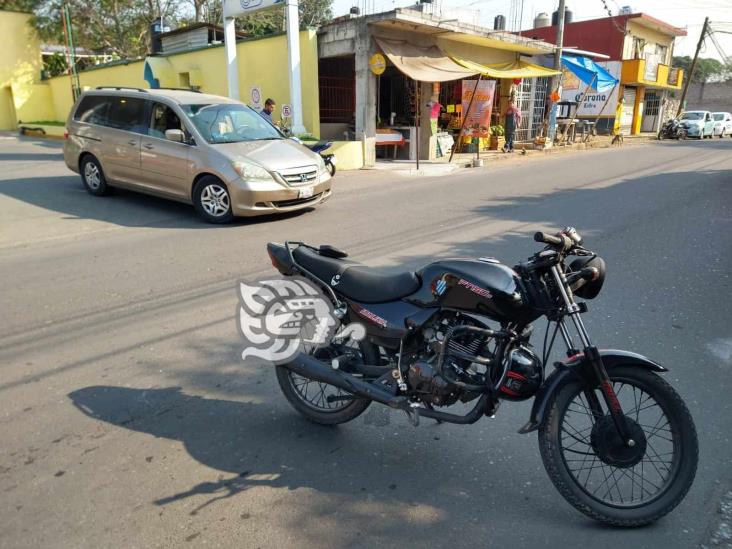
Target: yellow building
{"points": [[263, 63], [23, 97]]}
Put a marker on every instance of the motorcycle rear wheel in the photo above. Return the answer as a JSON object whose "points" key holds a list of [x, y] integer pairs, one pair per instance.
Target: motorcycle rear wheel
{"points": [[309, 397], [603, 478]]}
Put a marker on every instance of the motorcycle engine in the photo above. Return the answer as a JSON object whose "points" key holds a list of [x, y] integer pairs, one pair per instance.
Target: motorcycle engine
{"points": [[437, 389]]}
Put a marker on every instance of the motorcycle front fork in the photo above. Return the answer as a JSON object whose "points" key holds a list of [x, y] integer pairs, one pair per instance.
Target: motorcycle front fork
{"points": [[596, 373]]}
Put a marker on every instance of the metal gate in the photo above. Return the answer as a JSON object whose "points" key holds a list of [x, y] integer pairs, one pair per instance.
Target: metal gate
{"points": [[531, 100], [651, 111], [626, 115]]}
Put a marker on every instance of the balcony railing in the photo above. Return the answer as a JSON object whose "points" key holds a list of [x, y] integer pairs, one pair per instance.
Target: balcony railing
{"points": [[634, 72]]}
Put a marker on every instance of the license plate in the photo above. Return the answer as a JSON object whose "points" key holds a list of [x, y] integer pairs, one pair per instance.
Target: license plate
{"points": [[307, 192]]}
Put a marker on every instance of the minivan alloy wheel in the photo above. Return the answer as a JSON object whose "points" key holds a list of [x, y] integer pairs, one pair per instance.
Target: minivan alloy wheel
{"points": [[92, 176], [215, 200]]}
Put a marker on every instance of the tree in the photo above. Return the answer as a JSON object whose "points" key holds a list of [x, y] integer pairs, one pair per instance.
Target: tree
{"points": [[312, 14], [121, 27], [706, 70]]}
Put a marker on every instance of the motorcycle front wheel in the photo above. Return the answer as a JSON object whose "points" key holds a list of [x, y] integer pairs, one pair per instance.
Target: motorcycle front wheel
{"points": [[601, 476]]}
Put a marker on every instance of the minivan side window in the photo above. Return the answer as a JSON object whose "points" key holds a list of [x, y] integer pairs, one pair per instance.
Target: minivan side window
{"points": [[163, 118], [93, 110], [127, 113]]}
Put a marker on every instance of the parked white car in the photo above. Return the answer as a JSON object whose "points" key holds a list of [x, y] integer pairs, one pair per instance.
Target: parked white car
{"points": [[722, 123], [698, 124]]}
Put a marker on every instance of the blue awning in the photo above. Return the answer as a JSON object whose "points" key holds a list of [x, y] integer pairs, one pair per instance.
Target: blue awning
{"points": [[586, 70]]}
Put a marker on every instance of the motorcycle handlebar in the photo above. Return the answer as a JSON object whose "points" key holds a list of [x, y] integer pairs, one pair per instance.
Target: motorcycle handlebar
{"points": [[550, 239]]}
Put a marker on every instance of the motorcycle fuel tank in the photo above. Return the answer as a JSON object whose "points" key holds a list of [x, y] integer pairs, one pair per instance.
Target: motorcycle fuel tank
{"points": [[482, 286]]}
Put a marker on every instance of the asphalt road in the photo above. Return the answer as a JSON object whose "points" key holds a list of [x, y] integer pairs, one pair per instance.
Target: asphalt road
{"points": [[127, 418]]}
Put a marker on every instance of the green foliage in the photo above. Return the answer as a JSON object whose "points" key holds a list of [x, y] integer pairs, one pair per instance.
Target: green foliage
{"points": [[312, 14], [54, 65], [46, 123], [120, 27], [27, 6], [706, 70]]}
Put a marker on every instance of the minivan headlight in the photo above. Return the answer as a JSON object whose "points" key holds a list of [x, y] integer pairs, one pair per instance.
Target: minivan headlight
{"points": [[321, 164], [250, 171]]}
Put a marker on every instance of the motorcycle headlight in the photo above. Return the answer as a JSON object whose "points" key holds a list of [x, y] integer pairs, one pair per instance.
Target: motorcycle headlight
{"points": [[251, 171]]}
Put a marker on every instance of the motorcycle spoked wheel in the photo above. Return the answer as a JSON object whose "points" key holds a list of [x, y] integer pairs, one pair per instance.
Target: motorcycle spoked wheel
{"points": [[598, 474], [309, 397]]}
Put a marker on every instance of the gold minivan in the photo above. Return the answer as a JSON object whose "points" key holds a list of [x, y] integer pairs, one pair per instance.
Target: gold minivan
{"points": [[209, 151]]}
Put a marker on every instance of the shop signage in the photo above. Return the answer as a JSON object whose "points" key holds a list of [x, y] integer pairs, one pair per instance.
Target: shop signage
{"points": [[573, 88], [377, 63], [234, 8], [286, 111], [480, 110]]}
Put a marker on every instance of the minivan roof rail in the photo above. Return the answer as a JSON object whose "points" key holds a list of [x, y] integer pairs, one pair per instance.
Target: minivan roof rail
{"points": [[178, 89], [120, 88]]}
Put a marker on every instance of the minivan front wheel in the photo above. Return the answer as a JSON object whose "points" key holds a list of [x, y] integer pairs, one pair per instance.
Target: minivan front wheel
{"points": [[93, 177], [212, 200]]}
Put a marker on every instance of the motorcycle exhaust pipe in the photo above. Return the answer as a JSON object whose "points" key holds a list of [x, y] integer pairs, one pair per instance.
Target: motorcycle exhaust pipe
{"points": [[312, 368]]}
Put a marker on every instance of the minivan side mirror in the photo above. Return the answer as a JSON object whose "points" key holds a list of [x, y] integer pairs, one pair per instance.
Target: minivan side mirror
{"points": [[175, 135]]}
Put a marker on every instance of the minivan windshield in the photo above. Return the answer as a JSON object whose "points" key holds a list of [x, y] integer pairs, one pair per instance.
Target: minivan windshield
{"points": [[692, 116], [230, 123]]}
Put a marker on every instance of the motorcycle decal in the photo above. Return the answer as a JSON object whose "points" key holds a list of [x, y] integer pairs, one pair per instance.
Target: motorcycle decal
{"points": [[335, 280], [475, 288], [372, 317], [441, 286]]}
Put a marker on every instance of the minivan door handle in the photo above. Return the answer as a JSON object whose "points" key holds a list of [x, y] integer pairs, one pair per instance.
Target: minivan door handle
{"points": [[148, 146]]}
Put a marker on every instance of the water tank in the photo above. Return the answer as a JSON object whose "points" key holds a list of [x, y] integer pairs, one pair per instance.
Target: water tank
{"points": [[499, 23], [355, 11], [542, 20], [568, 16], [625, 10], [157, 28]]}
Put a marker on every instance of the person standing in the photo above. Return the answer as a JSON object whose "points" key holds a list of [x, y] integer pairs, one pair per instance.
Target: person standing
{"points": [[513, 121], [268, 109]]}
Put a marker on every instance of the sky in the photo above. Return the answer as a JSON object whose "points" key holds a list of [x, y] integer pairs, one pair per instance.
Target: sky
{"points": [[688, 14]]}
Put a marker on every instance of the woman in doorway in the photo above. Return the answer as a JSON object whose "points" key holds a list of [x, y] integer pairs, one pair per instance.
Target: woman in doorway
{"points": [[513, 121]]}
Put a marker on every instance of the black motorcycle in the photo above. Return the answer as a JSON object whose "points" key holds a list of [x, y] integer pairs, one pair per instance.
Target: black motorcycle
{"points": [[616, 439], [329, 158], [672, 129]]}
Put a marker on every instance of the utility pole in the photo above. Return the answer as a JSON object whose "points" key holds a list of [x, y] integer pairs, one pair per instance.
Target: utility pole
{"points": [[556, 80], [693, 65]]}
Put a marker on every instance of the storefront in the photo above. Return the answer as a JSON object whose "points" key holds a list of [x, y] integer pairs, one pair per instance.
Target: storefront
{"points": [[411, 104]]}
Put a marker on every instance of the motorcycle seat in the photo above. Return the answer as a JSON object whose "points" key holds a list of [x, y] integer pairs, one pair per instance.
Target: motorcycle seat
{"points": [[356, 281]]}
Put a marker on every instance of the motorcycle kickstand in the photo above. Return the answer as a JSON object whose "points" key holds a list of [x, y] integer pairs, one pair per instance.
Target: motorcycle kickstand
{"points": [[413, 414]]}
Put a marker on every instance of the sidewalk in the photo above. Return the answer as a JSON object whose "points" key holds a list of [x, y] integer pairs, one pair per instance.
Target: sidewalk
{"points": [[442, 166]]}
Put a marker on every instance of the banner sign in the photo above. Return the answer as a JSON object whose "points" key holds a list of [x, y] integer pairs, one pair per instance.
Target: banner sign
{"points": [[234, 8], [480, 110], [573, 88]]}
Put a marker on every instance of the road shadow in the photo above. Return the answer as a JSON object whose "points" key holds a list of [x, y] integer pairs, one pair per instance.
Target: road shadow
{"points": [[255, 445], [67, 195]]}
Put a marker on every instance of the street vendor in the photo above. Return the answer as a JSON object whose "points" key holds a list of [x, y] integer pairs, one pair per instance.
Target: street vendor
{"points": [[513, 121]]}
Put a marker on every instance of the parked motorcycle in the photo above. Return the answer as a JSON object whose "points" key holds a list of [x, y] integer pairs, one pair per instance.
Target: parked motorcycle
{"points": [[616, 439], [329, 158], [672, 129]]}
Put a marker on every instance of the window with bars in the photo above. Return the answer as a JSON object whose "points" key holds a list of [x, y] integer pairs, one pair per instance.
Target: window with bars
{"points": [[531, 101]]}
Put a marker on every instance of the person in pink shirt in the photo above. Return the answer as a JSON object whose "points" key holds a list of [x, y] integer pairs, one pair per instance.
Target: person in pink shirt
{"points": [[513, 121]]}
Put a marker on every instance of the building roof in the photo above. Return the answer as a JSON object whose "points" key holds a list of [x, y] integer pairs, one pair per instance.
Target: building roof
{"points": [[200, 25], [642, 19], [413, 20]]}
